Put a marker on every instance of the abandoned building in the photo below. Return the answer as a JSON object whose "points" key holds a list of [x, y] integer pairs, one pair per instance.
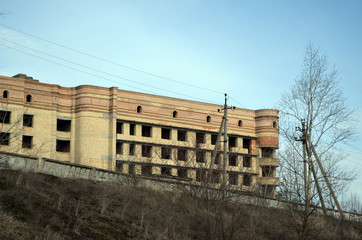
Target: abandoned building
{"points": [[137, 133]]}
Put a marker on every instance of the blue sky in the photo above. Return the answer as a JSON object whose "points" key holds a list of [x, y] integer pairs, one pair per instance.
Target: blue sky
{"points": [[252, 50]]}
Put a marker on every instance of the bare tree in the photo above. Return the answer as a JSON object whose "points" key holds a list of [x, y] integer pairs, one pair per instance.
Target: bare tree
{"points": [[317, 100]]}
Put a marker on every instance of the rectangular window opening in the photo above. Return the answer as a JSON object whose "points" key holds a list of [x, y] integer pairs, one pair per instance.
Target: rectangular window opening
{"points": [[132, 129], [119, 147], [119, 127], [200, 175], [131, 168], [5, 116], [146, 151], [200, 156], [181, 154], [267, 152], [182, 173], [166, 133], [165, 171], [232, 142], [246, 143], [27, 141], [4, 138], [146, 170], [63, 125], [27, 120], [146, 131], [63, 145], [246, 161], [119, 166], [267, 171], [213, 139], [166, 153], [233, 160], [132, 148], [215, 176], [181, 135], [217, 158], [233, 178], [200, 138], [247, 180]]}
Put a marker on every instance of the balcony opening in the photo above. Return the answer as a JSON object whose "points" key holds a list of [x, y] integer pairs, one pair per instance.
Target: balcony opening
{"points": [[213, 139], [246, 161], [4, 138], [166, 133], [246, 143], [119, 127], [267, 152], [146, 131], [139, 109], [132, 129], [247, 180], [181, 135], [181, 154], [63, 145], [233, 178], [119, 166], [165, 170], [182, 173], [174, 114], [27, 120], [64, 125], [119, 147], [232, 142], [28, 98], [200, 156], [233, 160], [146, 170], [132, 149], [5, 116], [27, 141], [5, 94], [200, 138], [166, 153], [267, 171], [146, 151]]}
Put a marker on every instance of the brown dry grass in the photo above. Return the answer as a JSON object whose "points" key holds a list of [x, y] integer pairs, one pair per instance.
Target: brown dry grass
{"points": [[38, 206]]}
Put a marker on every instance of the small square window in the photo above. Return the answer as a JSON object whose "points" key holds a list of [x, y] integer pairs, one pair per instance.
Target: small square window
{"points": [[146, 131], [63, 125], [146, 151], [5, 116], [4, 138], [146, 170], [27, 141], [247, 180], [181, 154], [166, 133], [181, 135], [166, 153], [63, 145], [200, 156], [165, 171], [182, 173]]}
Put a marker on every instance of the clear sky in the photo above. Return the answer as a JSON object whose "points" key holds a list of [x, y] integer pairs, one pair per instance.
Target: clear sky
{"points": [[252, 50]]}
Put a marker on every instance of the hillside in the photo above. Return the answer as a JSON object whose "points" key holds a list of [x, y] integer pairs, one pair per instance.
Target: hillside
{"points": [[38, 206]]}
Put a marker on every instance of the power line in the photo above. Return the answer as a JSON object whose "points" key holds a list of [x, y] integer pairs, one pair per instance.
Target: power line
{"points": [[99, 71], [111, 62]]}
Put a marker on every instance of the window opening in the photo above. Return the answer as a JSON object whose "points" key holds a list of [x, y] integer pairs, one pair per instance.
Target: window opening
{"points": [[233, 160], [132, 129], [182, 173], [4, 138], [200, 156], [200, 175], [181, 154], [246, 143], [208, 119], [119, 147], [64, 125], [247, 180], [200, 137], [119, 127], [146, 131], [119, 166], [5, 94], [28, 98], [165, 171], [166, 153], [181, 135], [215, 176], [267, 171], [217, 158], [274, 124], [213, 139], [139, 109], [166, 133], [63, 145], [233, 178], [131, 168], [132, 147], [5, 116], [174, 114], [27, 141], [232, 142], [146, 170], [146, 151], [246, 161], [267, 152], [27, 120], [240, 123]]}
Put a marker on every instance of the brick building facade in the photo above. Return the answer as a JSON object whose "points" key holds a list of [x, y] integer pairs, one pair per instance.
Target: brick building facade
{"points": [[137, 133]]}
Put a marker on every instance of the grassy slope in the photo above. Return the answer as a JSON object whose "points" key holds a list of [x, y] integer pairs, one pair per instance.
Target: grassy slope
{"points": [[37, 206]]}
